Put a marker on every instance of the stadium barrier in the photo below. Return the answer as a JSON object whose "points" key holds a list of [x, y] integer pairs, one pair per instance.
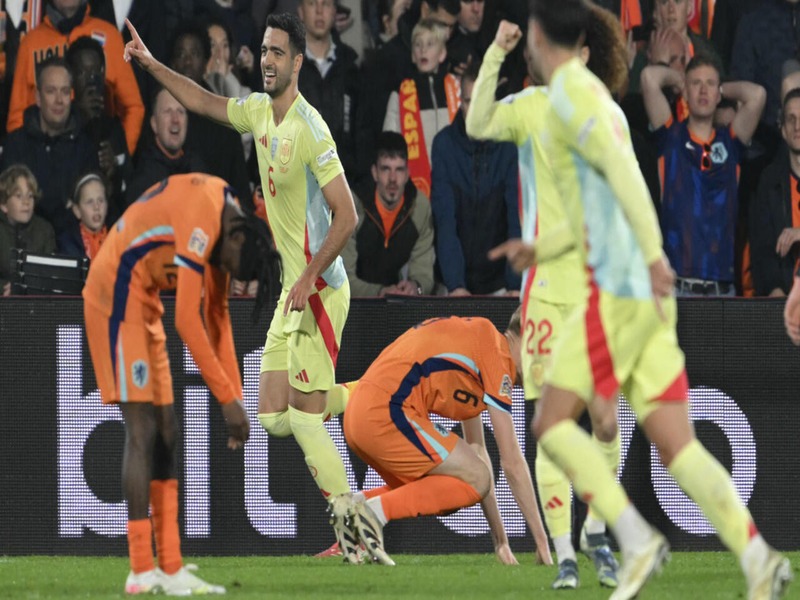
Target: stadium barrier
{"points": [[62, 449]]}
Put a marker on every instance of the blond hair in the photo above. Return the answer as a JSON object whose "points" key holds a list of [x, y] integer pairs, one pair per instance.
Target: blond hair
{"points": [[8, 182], [432, 26]]}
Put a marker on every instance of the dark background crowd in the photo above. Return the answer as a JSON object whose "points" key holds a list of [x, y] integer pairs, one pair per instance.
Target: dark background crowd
{"points": [[84, 133]]}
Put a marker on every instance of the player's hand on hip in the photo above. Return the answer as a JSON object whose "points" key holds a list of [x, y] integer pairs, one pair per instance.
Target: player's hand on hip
{"points": [[791, 313], [298, 296], [238, 425], [508, 35], [136, 49], [519, 254], [662, 281], [504, 554]]}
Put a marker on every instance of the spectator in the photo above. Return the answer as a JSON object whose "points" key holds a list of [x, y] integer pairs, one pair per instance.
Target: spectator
{"points": [[470, 37], [727, 15], [475, 205], [19, 226], [165, 154], [699, 203], [329, 77], [764, 40], [87, 64], [67, 20], [388, 17], [387, 67], [51, 142], [218, 146], [391, 250], [89, 204], [775, 210], [425, 103]]}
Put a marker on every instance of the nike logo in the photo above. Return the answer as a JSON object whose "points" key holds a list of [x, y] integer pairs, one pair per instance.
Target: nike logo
{"points": [[689, 146]]}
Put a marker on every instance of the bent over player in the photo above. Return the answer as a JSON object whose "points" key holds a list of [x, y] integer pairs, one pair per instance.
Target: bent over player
{"points": [[311, 213], [186, 234], [457, 368]]}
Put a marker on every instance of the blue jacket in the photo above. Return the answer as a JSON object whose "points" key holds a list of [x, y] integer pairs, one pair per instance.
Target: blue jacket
{"points": [[474, 197]]}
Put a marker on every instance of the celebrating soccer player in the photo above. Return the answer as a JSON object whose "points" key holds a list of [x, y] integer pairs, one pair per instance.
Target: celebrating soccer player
{"points": [[303, 184], [554, 289], [623, 337], [187, 234]]}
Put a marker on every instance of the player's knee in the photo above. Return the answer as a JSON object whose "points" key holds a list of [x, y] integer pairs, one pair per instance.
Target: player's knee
{"points": [[277, 424], [604, 426]]}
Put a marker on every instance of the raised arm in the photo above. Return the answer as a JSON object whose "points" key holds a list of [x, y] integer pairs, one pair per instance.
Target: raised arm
{"points": [[654, 79], [751, 99], [186, 91], [487, 119]]}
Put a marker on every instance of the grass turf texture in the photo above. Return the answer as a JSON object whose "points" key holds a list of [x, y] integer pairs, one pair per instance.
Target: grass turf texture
{"points": [[706, 575]]}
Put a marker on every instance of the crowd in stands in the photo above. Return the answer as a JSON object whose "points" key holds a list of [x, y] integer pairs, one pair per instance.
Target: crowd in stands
{"points": [[713, 100]]}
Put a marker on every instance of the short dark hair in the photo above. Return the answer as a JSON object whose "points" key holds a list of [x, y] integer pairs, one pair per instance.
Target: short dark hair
{"points": [[84, 43], [293, 27], [564, 22], [451, 6], [390, 144], [192, 29], [792, 94], [53, 61], [702, 59]]}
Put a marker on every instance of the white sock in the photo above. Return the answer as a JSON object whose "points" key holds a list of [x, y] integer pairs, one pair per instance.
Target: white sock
{"points": [[631, 530], [564, 549], [755, 553], [593, 526], [377, 508]]}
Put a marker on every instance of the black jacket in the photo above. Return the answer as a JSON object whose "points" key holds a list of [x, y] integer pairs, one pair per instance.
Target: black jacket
{"points": [[335, 98], [55, 162], [153, 166], [770, 213]]}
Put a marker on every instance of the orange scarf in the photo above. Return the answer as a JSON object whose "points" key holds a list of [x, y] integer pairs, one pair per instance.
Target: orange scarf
{"points": [[92, 240], [630, 14], [419, 165]]}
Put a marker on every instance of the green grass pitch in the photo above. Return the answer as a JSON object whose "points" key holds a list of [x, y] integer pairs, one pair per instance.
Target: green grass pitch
{"points": [[706, 575]]}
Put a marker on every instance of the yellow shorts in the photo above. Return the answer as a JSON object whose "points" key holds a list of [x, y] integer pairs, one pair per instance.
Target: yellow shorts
{"points": [[306, 344], [620, 344], [129, 358], [543, 324]]}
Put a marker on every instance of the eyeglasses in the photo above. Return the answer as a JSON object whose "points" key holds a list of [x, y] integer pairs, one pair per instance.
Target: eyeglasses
{"points": [[705, 160]]}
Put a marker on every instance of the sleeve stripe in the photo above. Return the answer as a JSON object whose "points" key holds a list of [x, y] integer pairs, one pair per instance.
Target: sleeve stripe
{"points": [[182, 261], [492, 401]]}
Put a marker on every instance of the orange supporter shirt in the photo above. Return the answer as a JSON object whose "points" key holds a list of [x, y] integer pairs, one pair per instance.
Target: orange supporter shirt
{"points": [[123, 97], [388, 217], [455, 367], [164, 242]]}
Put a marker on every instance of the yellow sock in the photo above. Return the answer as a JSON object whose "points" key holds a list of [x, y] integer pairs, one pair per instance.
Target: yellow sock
{"points": [[554, 492], [709, 484], [610, 452], [322, 456], [276, 423], [573, 451], [337, 398]]}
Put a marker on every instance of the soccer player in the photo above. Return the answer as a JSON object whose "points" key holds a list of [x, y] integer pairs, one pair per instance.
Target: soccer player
{"points": [[552, 290], [624, 336], [455, 367], [186, 234], [303, 184]]}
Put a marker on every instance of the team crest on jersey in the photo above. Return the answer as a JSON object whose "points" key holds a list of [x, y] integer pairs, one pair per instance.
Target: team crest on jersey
{"points": [[198, 242], [719, 153], [443, 431], [286, 151], [139, 373], [273, 147], [506, 386]]}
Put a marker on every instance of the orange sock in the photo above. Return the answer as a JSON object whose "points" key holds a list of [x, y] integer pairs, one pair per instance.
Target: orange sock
{"points": [[164, 502], [431, 495], [140, 545], [375, 491]]}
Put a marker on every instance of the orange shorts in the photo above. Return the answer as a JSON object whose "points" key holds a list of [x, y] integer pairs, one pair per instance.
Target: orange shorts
{"points": [[395, 439], [137, 369]]}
